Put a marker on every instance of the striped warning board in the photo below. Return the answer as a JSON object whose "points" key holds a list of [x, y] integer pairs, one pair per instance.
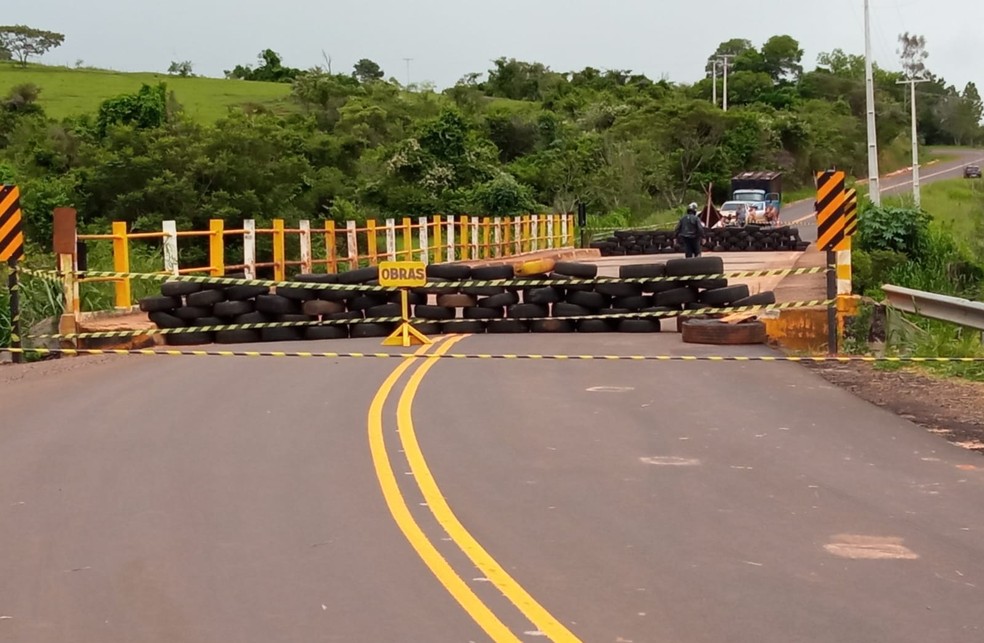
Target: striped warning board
{"points": [[830, 209], [851, 213], [11, 227]]}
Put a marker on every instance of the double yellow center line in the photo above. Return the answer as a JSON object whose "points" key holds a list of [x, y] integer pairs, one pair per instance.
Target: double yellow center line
{"points": [[544, 622]]}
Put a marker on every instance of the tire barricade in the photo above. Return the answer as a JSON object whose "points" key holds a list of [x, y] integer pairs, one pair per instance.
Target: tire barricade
{"points": [[564, 297], [733, 239]]}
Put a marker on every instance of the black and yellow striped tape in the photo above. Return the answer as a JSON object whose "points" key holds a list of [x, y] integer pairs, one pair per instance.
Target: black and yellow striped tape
{"points": [[390, 320], [523, 283], [505, 356]]}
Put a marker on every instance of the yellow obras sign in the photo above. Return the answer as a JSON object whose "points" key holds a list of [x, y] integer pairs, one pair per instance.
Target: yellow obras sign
{"points": [[402, 274]]}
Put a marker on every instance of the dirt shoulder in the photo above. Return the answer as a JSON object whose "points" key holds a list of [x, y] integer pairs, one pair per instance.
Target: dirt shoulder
{"points": [[951, 408]]}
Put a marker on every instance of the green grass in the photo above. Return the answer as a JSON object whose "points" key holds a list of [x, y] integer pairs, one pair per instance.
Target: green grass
{"points": [[956, 202], [72, 92]]}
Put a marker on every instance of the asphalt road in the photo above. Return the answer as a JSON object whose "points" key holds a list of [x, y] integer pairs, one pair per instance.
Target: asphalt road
{"points": [[890, 185], [158, 499]]}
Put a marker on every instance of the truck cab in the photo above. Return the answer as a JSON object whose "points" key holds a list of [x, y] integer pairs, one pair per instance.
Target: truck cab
{"points": [[761, 190]]}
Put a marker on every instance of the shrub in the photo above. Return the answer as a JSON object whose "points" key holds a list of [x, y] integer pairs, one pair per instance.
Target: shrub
{"points": [[904, 230]]}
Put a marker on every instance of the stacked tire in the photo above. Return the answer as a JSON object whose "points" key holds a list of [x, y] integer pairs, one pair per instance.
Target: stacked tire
{"points": [[743, 239]]}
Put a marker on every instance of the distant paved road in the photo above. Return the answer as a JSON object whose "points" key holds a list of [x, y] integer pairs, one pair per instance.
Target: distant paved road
{"points": [[258, 500], [891, 186]]}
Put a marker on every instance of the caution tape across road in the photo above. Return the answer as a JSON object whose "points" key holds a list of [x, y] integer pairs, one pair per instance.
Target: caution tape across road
{"points": [[391, 320], [520, 283], [843, 359]]}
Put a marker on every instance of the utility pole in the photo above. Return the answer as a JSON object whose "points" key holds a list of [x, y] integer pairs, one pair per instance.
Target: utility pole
{"points": [[407, 61], [874, 189], [714, 81], [916, 196], [725, 58]]}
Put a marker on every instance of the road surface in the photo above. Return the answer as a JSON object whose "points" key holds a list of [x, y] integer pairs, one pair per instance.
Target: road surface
{"points": [[188, 499], [898, 183]]}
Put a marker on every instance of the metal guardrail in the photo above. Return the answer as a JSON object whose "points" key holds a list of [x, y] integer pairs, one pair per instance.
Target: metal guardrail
{"points": [[955, 310]]}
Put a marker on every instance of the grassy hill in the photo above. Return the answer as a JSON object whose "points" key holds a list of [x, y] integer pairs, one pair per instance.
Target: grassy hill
{"points": [[70, 92]]}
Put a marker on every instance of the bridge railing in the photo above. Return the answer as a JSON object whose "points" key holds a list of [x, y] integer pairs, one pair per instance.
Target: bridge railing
{"points": [[328, 246]]}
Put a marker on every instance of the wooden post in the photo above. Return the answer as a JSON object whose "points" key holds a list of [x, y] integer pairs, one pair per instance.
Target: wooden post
{"points": [[279, 251], [305, 236], [249, 248], [330, 253], [408, 239], [352, 240], [372, 247], [121, 263], [216, 247], [170, 244]]}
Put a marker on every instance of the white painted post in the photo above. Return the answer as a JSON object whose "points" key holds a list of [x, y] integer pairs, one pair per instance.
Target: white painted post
{"points": [[450, 235], [353, 245], [391, 239], [517, 235], [249, 248], [497, 236], [563, 231], [305, 235], [550, 231], [474, 238], [534, 232], [170, 230], [424, 240]]}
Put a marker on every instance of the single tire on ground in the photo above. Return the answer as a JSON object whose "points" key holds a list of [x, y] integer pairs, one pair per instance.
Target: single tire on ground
{"points": [[290, 334], [596, 325], [527, 311], [472, 327], [372, 330], [717, 332], [428, 328]]}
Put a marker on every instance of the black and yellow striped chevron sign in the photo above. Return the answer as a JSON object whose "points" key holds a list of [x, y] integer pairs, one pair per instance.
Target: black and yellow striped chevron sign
{"points": [[851, 213], [11, 225], [830, 209]]}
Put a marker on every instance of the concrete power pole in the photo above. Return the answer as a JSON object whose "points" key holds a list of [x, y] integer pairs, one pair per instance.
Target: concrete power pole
{"points": [[874, 185], [407, 61], [714, 81], [916, 195], [725, 58]]}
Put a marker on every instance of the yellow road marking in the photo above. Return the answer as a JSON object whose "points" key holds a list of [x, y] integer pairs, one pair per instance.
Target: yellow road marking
{"points": [[438, 506], [429, 554]]}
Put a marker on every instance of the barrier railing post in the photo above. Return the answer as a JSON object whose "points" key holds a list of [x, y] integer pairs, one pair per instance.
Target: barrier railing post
{"points": [[391, 239], [68, 267], [563, 230], [121, 263], [352, 241], [474, 238], [279, 251], [527, 239], [463, 236], [558, 237], [550, 232], [372, 247], [451, 253], [437, 239], [518, 224], [408, 239], [486, 238], [305, 237], [497, 237], [330, 253], [216, 247], [170, 245], [249, 248], [424, 242]]}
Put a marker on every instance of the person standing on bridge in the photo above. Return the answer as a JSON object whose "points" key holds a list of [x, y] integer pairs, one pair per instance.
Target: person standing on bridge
{"points": [[690, 231]]}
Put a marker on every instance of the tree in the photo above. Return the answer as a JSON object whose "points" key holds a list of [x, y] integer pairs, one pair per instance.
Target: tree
{"points": [[912, 52], [271, 70], [367, 71], [22, 42], [182, 69], [782, 56]]}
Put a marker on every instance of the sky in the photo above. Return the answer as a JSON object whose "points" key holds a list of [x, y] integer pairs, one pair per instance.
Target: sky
{"points": [[447, 39]]}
